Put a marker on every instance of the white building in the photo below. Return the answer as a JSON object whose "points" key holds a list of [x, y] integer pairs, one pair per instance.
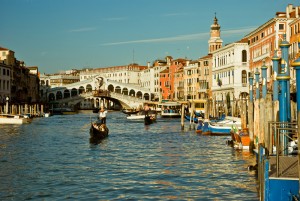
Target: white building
{"points": [[230, 71]]}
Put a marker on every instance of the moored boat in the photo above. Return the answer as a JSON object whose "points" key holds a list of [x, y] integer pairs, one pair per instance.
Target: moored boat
{"points": [[14, 119], [141, 115], [98, 132], [209, 129]]}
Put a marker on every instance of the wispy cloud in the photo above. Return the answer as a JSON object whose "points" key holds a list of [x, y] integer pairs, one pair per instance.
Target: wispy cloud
{"points": [[242, 30], [83, 29], [190, 37]]}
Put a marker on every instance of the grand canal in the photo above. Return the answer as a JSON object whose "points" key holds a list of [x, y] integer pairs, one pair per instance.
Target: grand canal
{"points": [[52, 159]]}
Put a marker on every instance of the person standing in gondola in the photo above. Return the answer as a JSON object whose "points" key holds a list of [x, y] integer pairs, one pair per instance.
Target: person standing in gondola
{"points": [[102, 115]]}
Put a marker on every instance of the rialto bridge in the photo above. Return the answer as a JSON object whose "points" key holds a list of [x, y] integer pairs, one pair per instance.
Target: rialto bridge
{"points": [[98, 91]]}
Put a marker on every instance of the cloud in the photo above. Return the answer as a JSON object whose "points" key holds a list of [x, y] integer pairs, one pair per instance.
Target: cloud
{"points": [[190, 37], [84, 29]]}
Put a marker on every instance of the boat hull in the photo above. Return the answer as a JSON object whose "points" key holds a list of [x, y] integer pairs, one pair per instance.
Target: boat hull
{"points": [[13, 119], [149, 120]]}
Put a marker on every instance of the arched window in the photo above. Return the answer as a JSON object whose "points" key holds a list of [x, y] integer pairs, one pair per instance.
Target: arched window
{"points": [[244, 56]]}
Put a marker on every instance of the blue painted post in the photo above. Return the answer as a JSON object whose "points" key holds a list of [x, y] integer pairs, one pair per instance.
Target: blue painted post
{"points": [[266, 180], [257, 84], [275, 60], [283, 115], [285, 69], [264, 80], [251, 86]]}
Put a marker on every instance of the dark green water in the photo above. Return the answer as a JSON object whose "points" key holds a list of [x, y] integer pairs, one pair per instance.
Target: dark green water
{"points": [[51, 159]]}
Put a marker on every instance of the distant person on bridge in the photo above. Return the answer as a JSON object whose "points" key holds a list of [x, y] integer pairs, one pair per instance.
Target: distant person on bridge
{"points": [[102, 115]]}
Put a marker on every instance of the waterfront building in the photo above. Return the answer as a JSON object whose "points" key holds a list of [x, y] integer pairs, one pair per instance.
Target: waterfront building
{"points": [[205, 76], [265, 39], [5, 71], [150, 77], [179, 83], [191, 79], [294, 53], [230, 73], [7, 60], [129, 74]]}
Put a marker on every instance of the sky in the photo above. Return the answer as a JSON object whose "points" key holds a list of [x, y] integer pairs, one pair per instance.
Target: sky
{"points": [[58, 35]]}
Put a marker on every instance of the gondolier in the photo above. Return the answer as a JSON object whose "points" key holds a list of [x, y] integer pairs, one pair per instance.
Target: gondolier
{"points": [[102, 115]]}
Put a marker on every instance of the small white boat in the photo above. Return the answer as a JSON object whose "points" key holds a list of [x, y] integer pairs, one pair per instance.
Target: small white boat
{"points": [[140, 115], [227, 123], [14, 119]]}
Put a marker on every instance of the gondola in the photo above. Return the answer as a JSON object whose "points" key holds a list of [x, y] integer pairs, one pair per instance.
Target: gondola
{"points": [[98, 132], [149, 119]]}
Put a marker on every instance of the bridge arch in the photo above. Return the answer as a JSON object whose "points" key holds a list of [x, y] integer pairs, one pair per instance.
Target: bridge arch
{"points": [[146, 96], [81, 89], [139, 94], [110, 88], [118, 89], [74, 92], [131, 92], [67, 93], [51, 97], [125, 91], [89, 88], [59, 95]]}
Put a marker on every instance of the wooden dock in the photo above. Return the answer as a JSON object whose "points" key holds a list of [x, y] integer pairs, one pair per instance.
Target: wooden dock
{"points": [[288, 167]]}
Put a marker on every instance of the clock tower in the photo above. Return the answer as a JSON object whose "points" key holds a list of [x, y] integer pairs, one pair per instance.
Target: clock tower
{"points": [[215, 42]]}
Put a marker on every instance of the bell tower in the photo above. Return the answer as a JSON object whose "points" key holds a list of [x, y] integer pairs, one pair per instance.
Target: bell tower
{"points": [[215, 42]]}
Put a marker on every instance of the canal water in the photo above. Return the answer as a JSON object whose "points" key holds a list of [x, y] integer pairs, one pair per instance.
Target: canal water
{"points": [[52, 159]]}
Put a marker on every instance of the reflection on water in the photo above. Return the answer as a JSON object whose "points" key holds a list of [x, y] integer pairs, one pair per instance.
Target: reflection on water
{"points": [[51, 159]]}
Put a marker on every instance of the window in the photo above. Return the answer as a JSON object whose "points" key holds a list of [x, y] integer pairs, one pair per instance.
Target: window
{"points": [[244, 56], [244, 78], [281, 26]]}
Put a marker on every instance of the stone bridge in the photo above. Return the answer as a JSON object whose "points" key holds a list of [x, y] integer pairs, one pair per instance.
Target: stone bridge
{"points": [[97, 91]]}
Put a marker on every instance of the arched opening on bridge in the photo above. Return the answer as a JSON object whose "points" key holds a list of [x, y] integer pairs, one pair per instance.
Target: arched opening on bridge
{"points": [[59, 95], [125, 91], [146, 96], [66, 93], [89, 88], [51, 97], [74, 92], [110, 88], [139, 94], [81, 89], [118, 89], [131, 92]]}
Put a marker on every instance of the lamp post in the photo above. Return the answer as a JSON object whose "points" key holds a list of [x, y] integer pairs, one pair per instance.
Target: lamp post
{"points": [[7, 99]]}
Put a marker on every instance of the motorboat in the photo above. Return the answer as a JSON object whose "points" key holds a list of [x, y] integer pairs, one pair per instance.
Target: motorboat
{"points": [[14, 119], [170, 109]]}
